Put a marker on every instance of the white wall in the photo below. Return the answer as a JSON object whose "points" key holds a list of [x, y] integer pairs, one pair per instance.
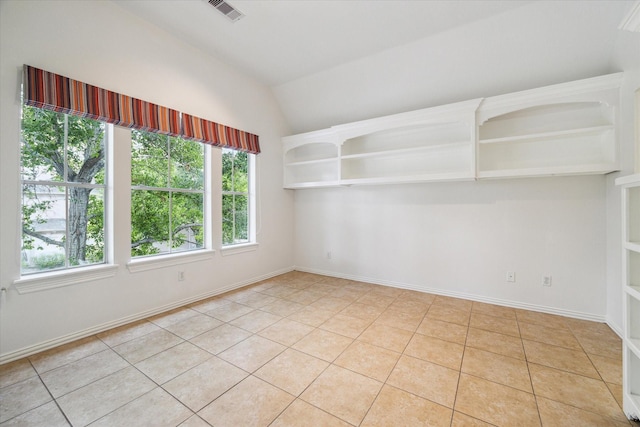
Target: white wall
{"points": [[97, 42], [539, 44], [462, 238]]}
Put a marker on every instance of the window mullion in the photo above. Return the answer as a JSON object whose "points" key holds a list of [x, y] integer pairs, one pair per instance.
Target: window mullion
{"points": [[233, 198], [233, 216], [65, 171], [170, 194]]}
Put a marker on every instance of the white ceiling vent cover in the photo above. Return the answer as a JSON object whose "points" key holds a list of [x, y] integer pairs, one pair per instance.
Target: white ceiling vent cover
{"points": [[226, 9]]}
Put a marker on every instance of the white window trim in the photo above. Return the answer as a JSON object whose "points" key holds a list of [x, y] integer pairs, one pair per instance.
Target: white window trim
{"points": [[152, 262], [60, 278], [239, 248], [228, 249]]}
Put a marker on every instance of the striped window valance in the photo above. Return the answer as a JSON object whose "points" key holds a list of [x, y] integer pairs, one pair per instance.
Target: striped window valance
{"points": [[219, 135], [52, 91]]}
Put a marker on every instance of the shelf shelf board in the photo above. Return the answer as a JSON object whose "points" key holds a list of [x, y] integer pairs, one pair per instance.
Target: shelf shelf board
{"points": [[410, 179], [312, 162], [634, 291], [633, 344], [410, 150], [600, 168], [632, 246], [314, 184], [547, 135], [629, 180]]}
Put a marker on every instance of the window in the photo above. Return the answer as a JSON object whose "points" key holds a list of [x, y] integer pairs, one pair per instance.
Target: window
{"points": [[167, 195], [63, 166], [236, 197]]}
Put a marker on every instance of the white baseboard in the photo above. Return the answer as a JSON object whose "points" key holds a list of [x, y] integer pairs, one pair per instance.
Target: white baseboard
{"points": [[49, 344], [614, 327], [479, 298]]}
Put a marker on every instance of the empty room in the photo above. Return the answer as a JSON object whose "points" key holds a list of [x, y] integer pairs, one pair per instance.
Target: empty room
{"points": [[319, 213]]}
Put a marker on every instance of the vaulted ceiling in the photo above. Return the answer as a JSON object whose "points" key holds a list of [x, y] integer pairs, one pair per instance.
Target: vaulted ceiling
{"points": [[330, 61]]}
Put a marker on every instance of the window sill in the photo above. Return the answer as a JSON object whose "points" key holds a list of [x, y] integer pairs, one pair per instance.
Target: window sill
{"points": [[57, 279], [239, 248], [161, 261]]}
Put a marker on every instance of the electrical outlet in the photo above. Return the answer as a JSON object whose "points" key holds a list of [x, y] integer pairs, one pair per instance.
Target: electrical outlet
{"points": [[511, 276], [180, 276], [546, 280], [329, 255]]}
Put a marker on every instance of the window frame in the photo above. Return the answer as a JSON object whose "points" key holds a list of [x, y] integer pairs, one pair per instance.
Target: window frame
{"points": [[107, 199], [175, 257], [51, 279], [251, 243]]}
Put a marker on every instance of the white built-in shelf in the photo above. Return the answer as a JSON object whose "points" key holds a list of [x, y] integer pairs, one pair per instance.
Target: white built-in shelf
{"points": [[401, 152], [434, 144], [311, 160], [408, 179], [589, 131], [634, 347], [433, 162], [529, 172], [631, 294], [312, 184], [565, 129]]}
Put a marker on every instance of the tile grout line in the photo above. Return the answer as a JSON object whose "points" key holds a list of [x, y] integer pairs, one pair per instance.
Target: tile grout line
{"points": [[464, 350], [526, 359]]}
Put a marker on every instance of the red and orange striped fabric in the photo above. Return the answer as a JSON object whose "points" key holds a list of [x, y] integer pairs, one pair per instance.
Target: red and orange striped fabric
{"points": [[218, 135], [51, 91]]}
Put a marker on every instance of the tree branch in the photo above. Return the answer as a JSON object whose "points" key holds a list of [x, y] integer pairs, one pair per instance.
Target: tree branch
{"points": [[185, 226], [142, 242], [42, 237], [177, 230], [92, 162], [91, 167], [54, 157]]}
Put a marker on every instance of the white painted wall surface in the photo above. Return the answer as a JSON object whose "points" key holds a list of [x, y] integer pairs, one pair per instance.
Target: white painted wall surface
{"points": [[462, 239], [505, 53], [99, 43]]}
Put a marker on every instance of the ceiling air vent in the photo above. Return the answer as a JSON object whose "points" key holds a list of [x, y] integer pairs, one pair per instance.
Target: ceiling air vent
{"points": [[226, 9]]}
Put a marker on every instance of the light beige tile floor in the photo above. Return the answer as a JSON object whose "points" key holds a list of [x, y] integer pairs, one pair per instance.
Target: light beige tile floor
{"points": [[308, 350]]}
